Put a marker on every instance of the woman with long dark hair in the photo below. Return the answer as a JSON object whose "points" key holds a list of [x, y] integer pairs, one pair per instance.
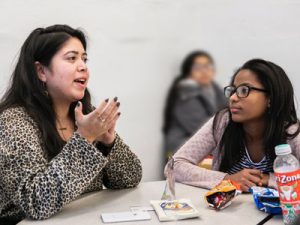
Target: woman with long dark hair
{"points": [[192, 99], [260, 115], [54, 145]]}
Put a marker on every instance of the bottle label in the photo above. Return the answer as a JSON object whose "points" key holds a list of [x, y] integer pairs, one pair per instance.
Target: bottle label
{"points": [[289, 192], [289, 186]]}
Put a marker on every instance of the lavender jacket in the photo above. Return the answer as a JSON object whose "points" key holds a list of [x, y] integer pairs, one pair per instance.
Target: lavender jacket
{"points": [[206, 142]]}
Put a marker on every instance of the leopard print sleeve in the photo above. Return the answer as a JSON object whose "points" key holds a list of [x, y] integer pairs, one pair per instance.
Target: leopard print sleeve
{"points": [[35, 188], [123, 169]]}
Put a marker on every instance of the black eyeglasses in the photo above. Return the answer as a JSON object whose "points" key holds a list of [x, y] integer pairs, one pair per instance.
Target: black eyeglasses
{"points": [[241, 91]]}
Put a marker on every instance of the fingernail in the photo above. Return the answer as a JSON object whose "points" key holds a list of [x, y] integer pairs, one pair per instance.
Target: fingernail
{"points": [[106, 100], [116, 99], [78, 104], [118, 104]]}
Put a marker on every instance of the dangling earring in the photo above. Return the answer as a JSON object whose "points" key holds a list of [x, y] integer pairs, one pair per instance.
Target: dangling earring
{"points": [[45, 89]]}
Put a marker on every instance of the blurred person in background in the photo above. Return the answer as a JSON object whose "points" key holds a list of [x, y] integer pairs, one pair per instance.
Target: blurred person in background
{"points": [[192, 99]]}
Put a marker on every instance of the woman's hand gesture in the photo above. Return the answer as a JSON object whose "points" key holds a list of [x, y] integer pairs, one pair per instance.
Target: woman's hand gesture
{"points": [[99, 124]]}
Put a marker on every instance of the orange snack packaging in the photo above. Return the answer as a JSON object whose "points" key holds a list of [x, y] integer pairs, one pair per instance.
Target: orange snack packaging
{"points": [[222, 195]]}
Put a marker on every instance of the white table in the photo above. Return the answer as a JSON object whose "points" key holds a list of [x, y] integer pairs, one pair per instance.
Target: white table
{"points": [[87, 209]]}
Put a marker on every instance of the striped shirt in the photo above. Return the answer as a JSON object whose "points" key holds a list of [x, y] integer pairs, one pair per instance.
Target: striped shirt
{"points": [[265, 165]]}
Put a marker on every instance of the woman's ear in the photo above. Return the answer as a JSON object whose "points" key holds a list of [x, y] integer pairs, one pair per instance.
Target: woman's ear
{"points": [[40, 70]]}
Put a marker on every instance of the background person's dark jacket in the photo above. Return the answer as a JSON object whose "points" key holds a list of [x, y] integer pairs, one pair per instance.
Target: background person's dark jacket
{"points": [[193, 106]]}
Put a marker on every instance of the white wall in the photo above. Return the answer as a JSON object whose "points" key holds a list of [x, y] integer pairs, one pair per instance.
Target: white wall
{"points": [[136, 46]]}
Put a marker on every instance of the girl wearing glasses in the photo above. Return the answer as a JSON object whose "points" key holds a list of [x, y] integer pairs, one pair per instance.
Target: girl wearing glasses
{"points": [[260, 115], [193, 98]]}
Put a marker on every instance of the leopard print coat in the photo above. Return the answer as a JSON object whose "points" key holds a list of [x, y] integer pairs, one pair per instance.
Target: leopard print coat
{"points": [[33, 187]]}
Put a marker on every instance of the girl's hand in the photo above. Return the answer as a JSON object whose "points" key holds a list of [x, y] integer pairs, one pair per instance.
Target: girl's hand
{"points": [[109, 137], [247, 178], [98, 122], [265, 180]]}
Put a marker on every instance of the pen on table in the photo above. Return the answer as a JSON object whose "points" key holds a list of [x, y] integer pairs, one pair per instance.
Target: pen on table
{"points": [[267, 218]]}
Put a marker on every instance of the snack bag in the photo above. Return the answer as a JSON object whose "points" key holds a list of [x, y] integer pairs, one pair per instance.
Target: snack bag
{"points": [[221, 195], [266, 200]]}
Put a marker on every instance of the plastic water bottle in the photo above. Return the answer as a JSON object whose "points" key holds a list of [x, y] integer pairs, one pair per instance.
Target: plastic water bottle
{"points": [[286, 168]]}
